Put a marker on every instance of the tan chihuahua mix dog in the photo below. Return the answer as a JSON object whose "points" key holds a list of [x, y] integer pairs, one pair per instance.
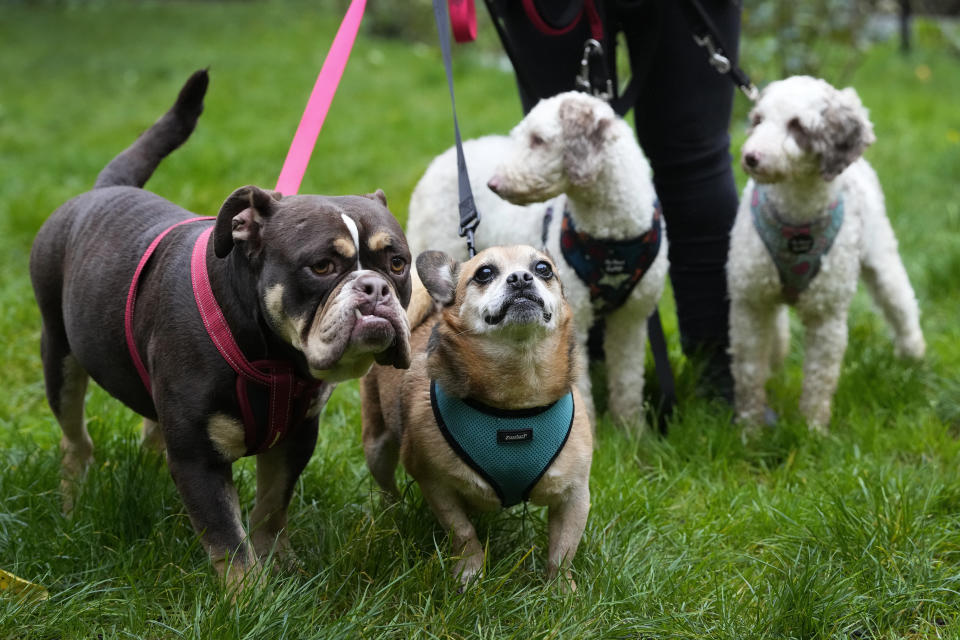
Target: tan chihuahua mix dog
{"points": [[488, 414]]}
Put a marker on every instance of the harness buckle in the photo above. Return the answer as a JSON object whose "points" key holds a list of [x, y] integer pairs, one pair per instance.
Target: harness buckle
{"points": [[592, 49]]}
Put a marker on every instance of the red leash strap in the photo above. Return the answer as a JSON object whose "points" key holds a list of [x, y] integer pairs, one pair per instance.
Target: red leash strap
{"points": [[593, 16], [319, 103], [132, 300], [463, 20]]}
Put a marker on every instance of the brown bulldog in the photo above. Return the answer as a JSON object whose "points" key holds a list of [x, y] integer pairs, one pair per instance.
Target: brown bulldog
{"points": [[227, 335]]}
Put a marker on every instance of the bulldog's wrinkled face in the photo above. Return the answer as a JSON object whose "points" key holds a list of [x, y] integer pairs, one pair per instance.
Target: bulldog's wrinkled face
{"points": [[509, 292], [333, 278], [803, 128]]}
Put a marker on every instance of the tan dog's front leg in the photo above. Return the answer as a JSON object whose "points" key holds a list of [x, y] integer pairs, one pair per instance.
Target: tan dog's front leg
{"points": [[449, 510], [566, 521]]}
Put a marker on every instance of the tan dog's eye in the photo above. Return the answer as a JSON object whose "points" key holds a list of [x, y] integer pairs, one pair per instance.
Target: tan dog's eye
{"points": [[397, 264], [484, 274], [323, 268], [543, 270]]}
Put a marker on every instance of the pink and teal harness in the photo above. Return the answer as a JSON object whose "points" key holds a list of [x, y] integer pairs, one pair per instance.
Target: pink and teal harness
{"points": [[797, 250]]}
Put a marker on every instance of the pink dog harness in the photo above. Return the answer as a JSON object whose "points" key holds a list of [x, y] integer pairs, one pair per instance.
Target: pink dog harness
{"points": [[288, 396]]}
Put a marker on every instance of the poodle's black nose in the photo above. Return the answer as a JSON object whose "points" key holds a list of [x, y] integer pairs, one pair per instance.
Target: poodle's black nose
{"points": [[751, 159]]}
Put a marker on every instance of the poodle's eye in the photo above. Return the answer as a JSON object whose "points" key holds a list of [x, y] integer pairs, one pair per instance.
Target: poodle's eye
{"points": [[794, 126], [484, 274], [543, 270], [755, 119], [536, 140]]}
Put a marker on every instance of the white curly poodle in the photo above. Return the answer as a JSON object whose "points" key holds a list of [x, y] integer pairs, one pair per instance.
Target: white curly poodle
{"points": [[811, 221], [571, 154]]}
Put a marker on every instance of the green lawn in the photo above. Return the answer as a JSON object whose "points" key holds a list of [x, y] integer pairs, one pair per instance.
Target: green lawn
{"points": [[853, 535]]}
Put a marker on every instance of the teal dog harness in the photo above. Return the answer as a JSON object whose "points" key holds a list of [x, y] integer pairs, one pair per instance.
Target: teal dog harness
{"points": [[510, 448], [797, 250]]}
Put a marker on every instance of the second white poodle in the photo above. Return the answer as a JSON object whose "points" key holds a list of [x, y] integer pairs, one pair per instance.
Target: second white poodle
{"points": [[589, 200], [811, 221]]}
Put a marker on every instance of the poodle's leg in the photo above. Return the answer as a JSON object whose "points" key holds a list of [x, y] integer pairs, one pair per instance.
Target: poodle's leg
{"points": [[752, 330], [624, 345], [887, 281], [825, 343], [781, 338]]}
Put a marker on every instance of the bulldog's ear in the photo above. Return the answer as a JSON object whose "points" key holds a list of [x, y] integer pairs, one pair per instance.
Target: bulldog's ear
{"points": [[240, 220], [438, 272], [377, 195]]}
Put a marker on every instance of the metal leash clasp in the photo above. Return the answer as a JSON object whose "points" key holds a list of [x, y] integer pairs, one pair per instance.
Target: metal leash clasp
{"points": [[722, 65], [717, 60], [592, 49]]}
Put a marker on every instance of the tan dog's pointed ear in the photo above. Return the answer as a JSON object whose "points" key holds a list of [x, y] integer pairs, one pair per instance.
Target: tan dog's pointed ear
{"points": [[438, 272], [240, 220]]}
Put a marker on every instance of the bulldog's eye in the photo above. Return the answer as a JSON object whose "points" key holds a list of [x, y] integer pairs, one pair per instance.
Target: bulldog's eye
{"points": [[484, 274], [543, 270], [397, 264], [323, 268]]}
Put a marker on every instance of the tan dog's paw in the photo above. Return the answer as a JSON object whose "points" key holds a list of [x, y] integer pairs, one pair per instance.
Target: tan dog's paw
{"points": [[467, 569], [565, 584]]}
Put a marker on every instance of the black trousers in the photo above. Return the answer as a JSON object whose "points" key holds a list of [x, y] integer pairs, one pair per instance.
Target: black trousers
{"points": [[682, 113]]}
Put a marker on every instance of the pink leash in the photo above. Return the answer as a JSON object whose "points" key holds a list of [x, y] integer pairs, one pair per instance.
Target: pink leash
{"points": [[319, 103]]}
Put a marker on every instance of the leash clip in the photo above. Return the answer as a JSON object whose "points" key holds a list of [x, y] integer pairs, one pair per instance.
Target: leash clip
{"points": [[717, 60], [751, 91], [592, 48]]}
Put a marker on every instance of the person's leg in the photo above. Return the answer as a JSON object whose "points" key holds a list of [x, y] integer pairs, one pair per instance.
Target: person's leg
{"points": [[682, 117], [545, 65]]}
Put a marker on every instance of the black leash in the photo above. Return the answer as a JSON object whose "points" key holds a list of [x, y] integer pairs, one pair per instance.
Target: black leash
{"points": [[469, 216], [706, 35]]}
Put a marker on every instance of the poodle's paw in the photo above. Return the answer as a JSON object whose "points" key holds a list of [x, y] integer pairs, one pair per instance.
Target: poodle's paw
{"points": [[910, 347]]}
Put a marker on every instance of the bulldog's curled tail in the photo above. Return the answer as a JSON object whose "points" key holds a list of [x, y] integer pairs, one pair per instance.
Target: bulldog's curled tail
{"points": [[134, 166]]}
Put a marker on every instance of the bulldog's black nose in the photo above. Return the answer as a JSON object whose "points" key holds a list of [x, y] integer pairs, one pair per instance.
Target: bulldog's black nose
{"points": [[373, 290], [520, 279]]}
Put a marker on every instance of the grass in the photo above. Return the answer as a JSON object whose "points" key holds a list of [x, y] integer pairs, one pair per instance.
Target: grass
{"points": [[696, 535]]}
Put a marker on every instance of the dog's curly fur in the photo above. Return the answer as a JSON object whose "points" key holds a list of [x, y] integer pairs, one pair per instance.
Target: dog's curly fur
{"points": [[805, 143], [571, 149]]}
